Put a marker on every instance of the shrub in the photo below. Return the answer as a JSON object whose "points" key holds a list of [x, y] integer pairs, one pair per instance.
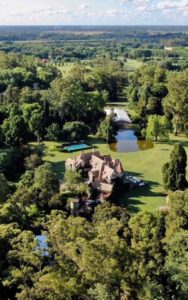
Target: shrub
{"points": [[53, 132], [107, 129], [33, 161], [75, 131]]}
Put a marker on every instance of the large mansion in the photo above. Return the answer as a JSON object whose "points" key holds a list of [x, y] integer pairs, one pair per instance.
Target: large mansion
{"points": [[100, 171]]}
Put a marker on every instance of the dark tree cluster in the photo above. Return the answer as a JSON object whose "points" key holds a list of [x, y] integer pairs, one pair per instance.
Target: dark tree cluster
{"points": [[174, 172], [147, 90], [40, 108], [115, 256]]}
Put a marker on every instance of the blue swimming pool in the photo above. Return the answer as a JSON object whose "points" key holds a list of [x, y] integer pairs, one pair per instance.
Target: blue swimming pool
{"points": [[77, 147]]}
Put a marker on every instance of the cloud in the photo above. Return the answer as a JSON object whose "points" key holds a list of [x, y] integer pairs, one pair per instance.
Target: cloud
{"points": [[176, 8], [163, 5], [138, 6], [93, 11], [114, 12], [44, 13], [84, 6], [138, 2]]}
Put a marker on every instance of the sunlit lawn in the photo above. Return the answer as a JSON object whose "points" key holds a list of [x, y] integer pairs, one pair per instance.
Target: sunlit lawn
{"points": [[132, 64], [66, 67], [144, 164]]}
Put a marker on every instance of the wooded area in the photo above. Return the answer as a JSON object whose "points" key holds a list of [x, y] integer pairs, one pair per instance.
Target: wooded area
{"points": [[54, 88]]}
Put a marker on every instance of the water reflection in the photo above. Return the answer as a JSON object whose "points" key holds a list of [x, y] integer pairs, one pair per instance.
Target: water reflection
{"points": [[127, 141]]}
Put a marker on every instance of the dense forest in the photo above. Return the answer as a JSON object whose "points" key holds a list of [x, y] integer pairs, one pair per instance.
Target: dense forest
{"points": [[54, 86], [176, 34]]}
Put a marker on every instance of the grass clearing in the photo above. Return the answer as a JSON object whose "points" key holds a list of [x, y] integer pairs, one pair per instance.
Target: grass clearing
{"points": [[66, 67], [132, 64], [144, 164]]}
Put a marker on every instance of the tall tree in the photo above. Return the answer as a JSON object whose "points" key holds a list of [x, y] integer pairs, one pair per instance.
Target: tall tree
{"points": [[14, 129], [7, 233], [75, 131], [176, 103], [157, 128], [34, 118], [107, 129], [25, 259], [108, 75], [177, 262], [73, 99], [174, 172], [147, 231], [46, 180], [4, 188], [177, 218]]}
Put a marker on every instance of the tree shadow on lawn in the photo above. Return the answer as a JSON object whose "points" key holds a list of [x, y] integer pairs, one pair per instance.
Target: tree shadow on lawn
{"points": [[135, 174], [51, 155], [59, 168], [184, 143], [173, 142], [134, 198], [41, 148], [94, 141]]}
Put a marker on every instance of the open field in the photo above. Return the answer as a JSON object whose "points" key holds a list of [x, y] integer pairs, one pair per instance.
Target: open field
{"points": [[144, 164], [132, 64], [65, 68]]}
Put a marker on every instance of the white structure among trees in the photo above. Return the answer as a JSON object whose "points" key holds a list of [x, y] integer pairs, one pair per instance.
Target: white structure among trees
{"points": [[120, 115]]}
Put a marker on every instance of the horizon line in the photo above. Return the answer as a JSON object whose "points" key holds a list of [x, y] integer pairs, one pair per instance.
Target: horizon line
{"points": [[90, 25]]}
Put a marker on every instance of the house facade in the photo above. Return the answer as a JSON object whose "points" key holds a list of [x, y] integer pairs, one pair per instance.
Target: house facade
{"points": [[100, 171]]}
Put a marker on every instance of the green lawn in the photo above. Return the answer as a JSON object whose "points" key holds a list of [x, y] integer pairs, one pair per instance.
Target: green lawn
{"points": [[144, 164], [132, 64], [66, 67]]}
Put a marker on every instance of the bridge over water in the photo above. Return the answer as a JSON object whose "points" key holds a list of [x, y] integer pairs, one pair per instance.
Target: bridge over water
{"points": [[120, 115]]}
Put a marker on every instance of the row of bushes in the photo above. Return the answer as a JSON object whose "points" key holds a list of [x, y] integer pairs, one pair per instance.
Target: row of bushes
{"points": [[76, 131], [72, 131]]}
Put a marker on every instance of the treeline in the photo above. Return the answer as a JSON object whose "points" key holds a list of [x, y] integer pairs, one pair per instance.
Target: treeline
{"points": [[86, 50], [161, 53], [59, 53], [174, 36], [55, 51], [153, 90], [34, 95], [37, 100]]}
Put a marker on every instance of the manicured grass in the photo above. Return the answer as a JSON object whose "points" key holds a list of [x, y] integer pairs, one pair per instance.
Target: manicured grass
{"points": [[66, 68], [144, 164], [132, 64]]}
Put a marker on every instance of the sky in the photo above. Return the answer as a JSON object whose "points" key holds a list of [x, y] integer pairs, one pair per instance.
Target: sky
{"points": [[94, 12]]}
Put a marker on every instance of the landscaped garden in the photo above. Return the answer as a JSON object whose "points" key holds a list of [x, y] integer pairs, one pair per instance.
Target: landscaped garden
{"points": [[146, 165]]}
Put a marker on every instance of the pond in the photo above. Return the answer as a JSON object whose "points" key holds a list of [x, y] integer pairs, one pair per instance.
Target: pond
{"points": [[127, 141]]}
